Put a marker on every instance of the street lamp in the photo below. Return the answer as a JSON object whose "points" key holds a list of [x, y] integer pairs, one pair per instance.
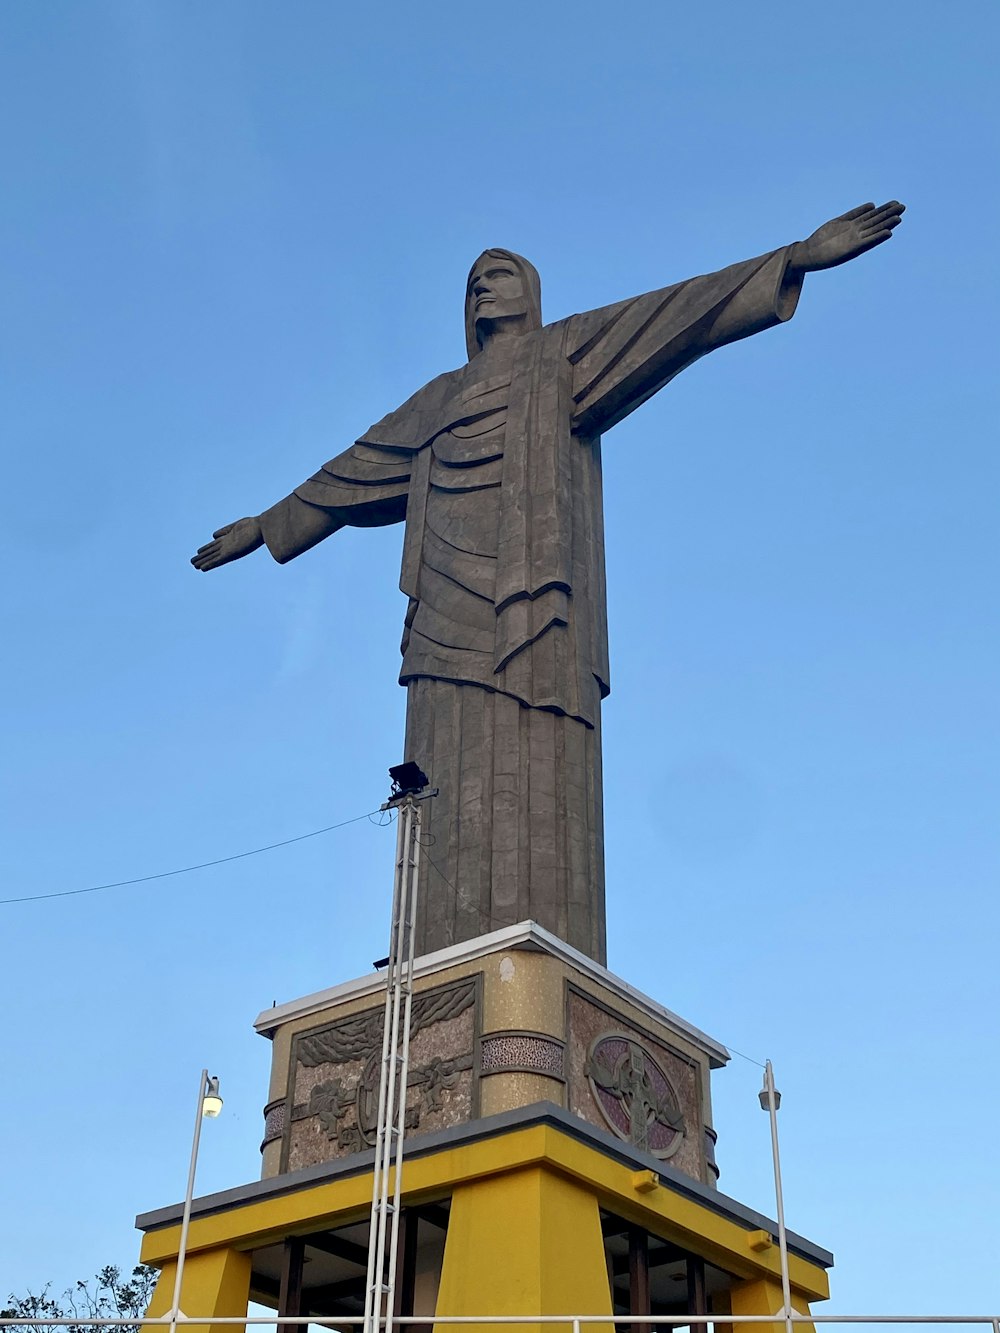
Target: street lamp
{"points": [[770, 1100], [209, 1105]]}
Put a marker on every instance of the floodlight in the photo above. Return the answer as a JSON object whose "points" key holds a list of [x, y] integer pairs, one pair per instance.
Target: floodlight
{"points": [[407, 780]]}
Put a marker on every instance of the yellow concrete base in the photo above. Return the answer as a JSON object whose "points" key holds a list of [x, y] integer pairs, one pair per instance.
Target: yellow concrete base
{"points": [[524, 1233], [763, 1296], [215, 1282], [528, 1242]]}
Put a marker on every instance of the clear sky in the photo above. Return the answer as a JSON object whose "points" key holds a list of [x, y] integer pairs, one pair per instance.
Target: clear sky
{"points": [[233, 234]]}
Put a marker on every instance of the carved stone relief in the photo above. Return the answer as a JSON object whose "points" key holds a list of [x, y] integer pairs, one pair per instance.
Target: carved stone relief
{"points": [[634, 1095], [334, 1076], [622, 1078]]}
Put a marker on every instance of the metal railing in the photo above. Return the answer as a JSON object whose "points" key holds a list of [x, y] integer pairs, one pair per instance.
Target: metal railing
{"points": [[573, 1322]]}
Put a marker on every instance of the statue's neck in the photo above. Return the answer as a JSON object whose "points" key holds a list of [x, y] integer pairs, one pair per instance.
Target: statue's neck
{"points": [[500, 333]]}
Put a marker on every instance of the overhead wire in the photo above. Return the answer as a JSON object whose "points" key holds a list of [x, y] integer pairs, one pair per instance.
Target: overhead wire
{"points": [[381, 822], [186, 870]]}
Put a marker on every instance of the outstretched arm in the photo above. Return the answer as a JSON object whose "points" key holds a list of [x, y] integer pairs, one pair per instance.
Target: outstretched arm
{"points": [[364, 487], [622, 354], [845, 237], [836, 242]]}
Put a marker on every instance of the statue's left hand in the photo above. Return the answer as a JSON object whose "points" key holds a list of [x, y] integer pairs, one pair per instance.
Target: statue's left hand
{"points": [[232, 542], [846, 237]]}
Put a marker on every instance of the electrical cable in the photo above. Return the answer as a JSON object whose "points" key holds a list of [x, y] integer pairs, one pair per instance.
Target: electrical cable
{"points": [[186, 870], [256, 851], [748, 1058]]}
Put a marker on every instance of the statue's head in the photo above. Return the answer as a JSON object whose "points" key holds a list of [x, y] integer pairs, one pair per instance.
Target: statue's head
{"points": [[501, 286]]}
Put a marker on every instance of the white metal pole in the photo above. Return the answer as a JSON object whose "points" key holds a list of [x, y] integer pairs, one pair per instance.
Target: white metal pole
{"points": [[786, 1294], [408, 911], [186, 1218], [396, 1098], [392, 1115], [373, 1284]]}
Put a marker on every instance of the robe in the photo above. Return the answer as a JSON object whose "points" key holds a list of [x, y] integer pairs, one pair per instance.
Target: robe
{"points": [[496, 470]]}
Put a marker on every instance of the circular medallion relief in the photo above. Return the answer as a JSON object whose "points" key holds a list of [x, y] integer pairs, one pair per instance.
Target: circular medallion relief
{"points": [[634, 1095]]}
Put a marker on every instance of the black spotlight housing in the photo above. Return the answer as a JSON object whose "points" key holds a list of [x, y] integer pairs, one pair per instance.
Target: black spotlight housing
{"points": [[408, 779]]}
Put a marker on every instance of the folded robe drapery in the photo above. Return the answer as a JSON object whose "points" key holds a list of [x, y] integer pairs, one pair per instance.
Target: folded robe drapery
{"points": [[505, 574]]}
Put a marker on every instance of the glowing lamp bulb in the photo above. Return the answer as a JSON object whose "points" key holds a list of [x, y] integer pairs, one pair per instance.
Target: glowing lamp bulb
{"points": [[211, 1103]]}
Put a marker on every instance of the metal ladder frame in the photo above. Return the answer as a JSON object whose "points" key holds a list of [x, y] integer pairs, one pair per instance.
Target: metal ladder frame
{"points": [[380, 1284]]}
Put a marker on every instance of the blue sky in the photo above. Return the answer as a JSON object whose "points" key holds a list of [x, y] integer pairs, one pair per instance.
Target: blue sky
{"points": [[232, 236]]}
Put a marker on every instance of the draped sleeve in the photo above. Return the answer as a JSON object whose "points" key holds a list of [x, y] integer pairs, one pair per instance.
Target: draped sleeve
{"points": [[622, 354], [364, 487], [367, 486]]}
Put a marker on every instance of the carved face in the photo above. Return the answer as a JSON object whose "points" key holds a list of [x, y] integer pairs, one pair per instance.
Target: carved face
{"points": [[496, 290], [501, 286]]}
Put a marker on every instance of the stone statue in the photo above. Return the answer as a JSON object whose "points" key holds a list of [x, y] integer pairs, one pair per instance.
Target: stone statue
{"points": [[496, 470]]}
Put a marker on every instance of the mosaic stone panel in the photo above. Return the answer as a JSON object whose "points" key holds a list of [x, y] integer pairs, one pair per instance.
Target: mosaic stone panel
{"points": [[522, 1052], [274, 1122], [711, 1139]]}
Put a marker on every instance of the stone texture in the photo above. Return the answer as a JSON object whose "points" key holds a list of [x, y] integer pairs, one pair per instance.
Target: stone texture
{"points": [[521, 1052], [274, 1122]]}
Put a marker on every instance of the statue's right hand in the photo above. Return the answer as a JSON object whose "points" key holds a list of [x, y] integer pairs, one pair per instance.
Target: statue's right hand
{"points": [[232, 542]]}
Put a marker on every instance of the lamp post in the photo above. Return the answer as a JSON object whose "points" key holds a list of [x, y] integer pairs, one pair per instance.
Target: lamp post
{"points": [[770, 1100], [209, 1104]]}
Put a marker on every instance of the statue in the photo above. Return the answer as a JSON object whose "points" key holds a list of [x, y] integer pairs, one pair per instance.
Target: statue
{"points": [[495, 469]]}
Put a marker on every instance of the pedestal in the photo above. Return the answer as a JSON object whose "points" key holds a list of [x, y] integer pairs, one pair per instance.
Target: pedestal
{"points": [[558, 1160]]}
